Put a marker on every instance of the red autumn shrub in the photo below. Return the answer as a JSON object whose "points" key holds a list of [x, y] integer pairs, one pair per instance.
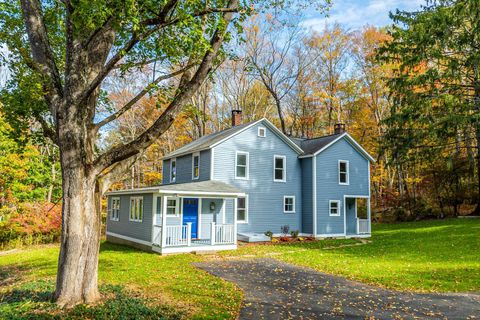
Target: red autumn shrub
{"points": [[38, 218]]}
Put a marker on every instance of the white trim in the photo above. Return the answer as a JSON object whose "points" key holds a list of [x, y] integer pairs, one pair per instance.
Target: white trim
{"points": [[247, 164], [130, 208], [284, 198], [314, 194], [171, 179], [350, 140], [108, 233], [177, 206], [111, 209], [339, 205], [195, 154], [264, 132], [212, 164], [284, 173], [347, 172], [330, 235], [171, 250], [199, 219], [246, 210], [154, 214], [177, 192]]}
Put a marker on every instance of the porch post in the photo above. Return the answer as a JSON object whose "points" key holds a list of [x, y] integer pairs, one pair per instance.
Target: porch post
{"points": [[189, 234], [235, 220], [369, 216], [212, 233], [164, 221]]}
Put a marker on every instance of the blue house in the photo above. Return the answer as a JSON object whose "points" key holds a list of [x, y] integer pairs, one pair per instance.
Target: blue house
{"points": [[241, 182]]}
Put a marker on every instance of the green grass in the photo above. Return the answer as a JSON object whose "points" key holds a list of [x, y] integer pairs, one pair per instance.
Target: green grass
{"points": [[427, 256]]}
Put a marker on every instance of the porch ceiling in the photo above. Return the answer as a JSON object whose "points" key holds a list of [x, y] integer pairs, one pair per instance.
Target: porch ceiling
{"points": [[209, 188]]}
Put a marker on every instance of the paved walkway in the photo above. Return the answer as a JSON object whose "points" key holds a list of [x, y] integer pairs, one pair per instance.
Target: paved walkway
{"points": [[277, 290]]}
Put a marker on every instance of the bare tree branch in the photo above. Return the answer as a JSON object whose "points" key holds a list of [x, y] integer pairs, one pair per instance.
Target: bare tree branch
{"points": [[142, 93]]}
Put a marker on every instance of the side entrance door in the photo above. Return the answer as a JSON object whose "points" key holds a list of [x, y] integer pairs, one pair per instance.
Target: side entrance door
{"points": [[190, 214]]}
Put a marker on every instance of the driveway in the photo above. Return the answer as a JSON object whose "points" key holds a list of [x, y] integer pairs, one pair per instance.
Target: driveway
{"points": [[277, 290]]}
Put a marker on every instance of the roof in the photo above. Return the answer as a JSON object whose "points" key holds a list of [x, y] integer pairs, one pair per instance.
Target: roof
{"points": [[206, 188], [312, 147], [211, 140]]}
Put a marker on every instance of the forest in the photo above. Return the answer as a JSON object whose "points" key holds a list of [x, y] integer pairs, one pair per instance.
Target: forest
{"points": [[409, 93]]}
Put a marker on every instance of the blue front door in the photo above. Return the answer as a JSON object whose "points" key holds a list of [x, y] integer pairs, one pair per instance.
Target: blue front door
{"points": [[190, 214]]}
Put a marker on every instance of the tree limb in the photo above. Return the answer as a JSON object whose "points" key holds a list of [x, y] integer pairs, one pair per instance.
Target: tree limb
{"points": [[125, 151], [135, 99]]}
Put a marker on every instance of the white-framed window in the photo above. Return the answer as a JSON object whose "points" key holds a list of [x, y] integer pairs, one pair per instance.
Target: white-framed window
{"points": [[115, 209], [173, 170], [343, 172], [289, 204], [262, 132], [334, 207], [173, 206], [136, 209], [196, 166], [241, 165], [279, 168], [242, 210]]}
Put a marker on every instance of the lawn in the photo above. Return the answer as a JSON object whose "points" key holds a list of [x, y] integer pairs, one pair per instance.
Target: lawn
{"points": [[428, 256]]}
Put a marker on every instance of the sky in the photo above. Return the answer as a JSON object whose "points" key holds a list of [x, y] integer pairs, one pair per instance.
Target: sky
{"points": [[353, 14]]}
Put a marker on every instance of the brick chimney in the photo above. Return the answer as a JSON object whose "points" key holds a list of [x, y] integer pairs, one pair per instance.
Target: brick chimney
{"points": [[236, 117], [339, 128]]}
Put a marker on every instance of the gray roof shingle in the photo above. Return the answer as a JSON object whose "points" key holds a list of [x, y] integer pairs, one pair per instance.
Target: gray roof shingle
{"points": [[310, 146]]}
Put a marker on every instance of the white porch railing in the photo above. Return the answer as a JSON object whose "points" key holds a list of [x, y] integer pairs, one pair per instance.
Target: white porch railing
{"points": [[363, 226], [157, 235], [224, 234], [177, 236]]}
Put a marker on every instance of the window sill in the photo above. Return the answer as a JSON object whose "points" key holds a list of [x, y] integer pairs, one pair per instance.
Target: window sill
{"points": [[240, 178], [135, 220], [344, 183], [280, 181], [114, 219], [334, 215], [242, 222], [289, 212]]}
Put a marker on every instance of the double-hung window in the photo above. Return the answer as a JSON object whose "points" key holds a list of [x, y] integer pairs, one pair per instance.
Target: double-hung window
{"points": [[136, 209], [279, 168], [195, 166], [241, 165], [173, 170], [242, 210], [343, 172], [289, 204], [173, 206], [334, 208], [115, 209]]}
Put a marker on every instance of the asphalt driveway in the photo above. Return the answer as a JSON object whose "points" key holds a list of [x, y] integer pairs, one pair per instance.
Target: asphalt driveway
{"points": [[277, 290]]}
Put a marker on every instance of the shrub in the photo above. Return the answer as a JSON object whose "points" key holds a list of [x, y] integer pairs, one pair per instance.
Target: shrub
{"points": [[284, 229], [294, 233], [269, 234]]}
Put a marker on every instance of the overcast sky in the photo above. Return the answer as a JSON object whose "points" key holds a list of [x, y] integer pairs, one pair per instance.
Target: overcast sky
{"points": [[353, 14]]}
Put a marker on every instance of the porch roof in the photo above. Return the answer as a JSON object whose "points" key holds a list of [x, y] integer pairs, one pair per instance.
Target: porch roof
{"points": [[209, 188]]}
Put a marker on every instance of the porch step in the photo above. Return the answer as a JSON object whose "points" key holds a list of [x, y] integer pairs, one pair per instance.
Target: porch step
{"points": [[252, 237]]}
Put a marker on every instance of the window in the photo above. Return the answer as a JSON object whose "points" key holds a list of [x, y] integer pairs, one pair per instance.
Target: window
{"points": [[173, 170], [173, 206], [242, 211], [241, 165], [262, 132], [136, 209], [279, 170], [196, 166], [115, 209], [289, 204], [343, 172], [334, 207]]}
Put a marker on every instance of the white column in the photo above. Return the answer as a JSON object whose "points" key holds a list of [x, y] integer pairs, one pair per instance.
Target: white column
{"points": [[223, 211], [235, 221], [369, 216], [212, 233], [189, 234], [164, 220]]}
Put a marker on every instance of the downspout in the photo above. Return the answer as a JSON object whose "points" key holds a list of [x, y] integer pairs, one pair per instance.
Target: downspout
{"points": [[314, 194]]}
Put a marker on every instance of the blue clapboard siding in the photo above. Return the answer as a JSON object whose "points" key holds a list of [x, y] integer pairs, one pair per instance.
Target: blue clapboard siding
{"points": [[138, 230], [185, 168], [307, 196], [265, 197], [328, 187]]}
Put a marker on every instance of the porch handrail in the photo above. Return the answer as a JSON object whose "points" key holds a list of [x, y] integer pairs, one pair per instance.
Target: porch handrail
{"points": [[157, 235], [224, 234], [176, 236], [363, 226]]}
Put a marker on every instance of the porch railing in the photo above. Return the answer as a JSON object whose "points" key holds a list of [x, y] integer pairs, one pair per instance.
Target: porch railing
{"points": [[157, 235], [177, 236], [363, 226], [224, 234]]}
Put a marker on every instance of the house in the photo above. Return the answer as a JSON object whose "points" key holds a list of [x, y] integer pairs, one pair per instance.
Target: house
{"points": [[243, 181]]}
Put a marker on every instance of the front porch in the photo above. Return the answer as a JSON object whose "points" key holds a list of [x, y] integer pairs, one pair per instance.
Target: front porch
{"points": [[357, 217], [187, 220]]}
